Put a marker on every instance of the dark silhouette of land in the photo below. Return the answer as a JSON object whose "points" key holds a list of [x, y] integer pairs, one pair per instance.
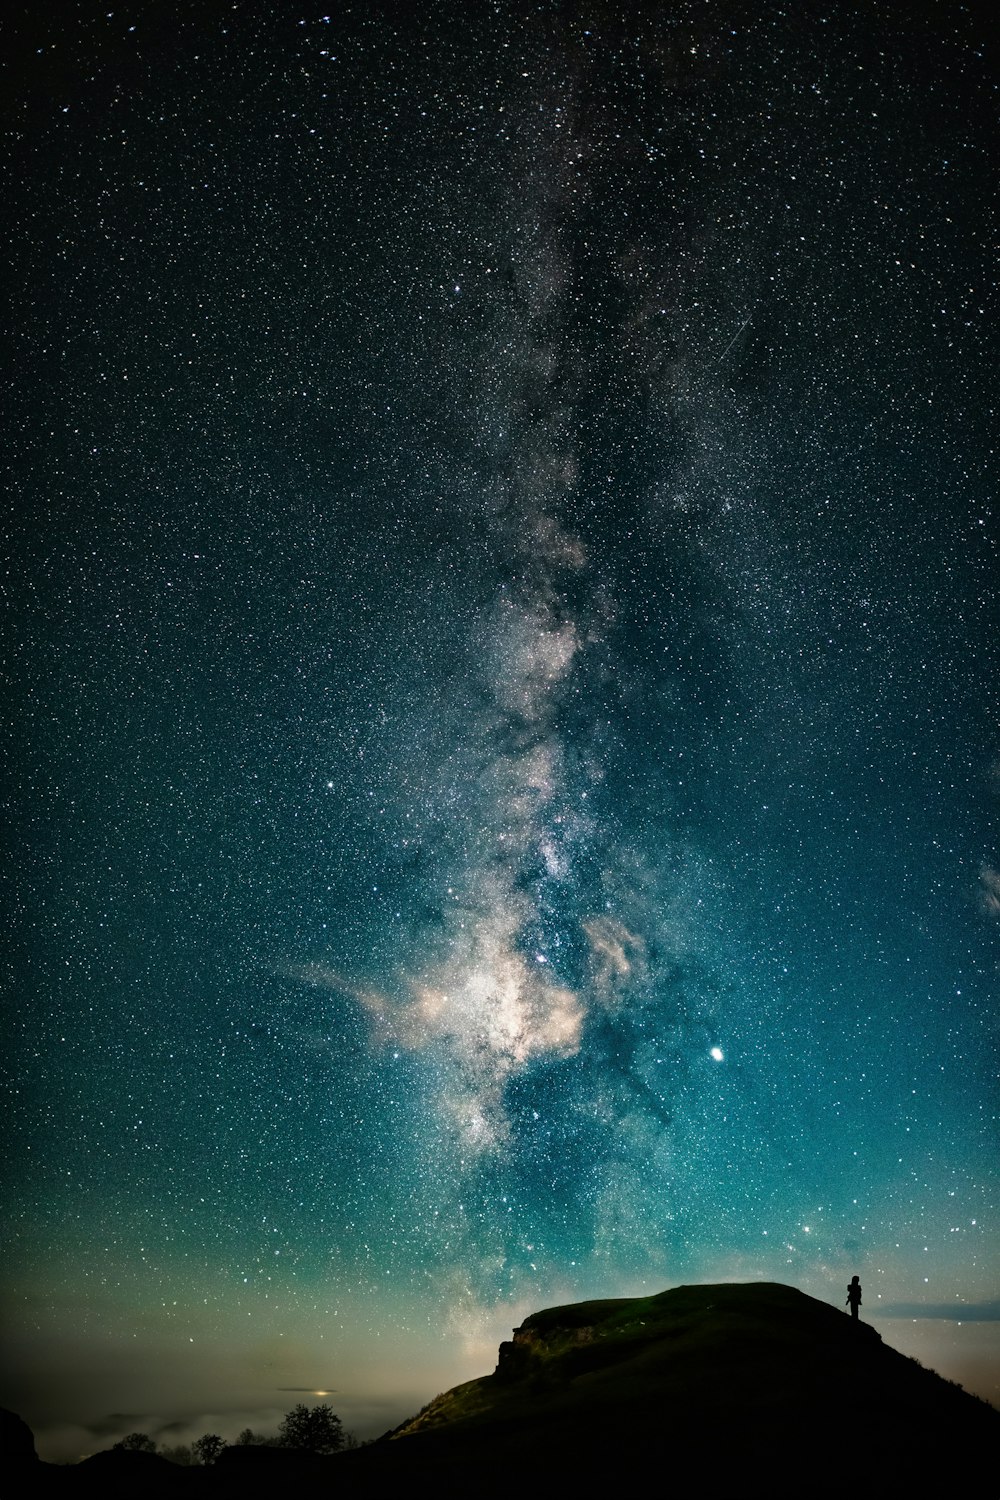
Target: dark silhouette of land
{"points": [[753, 1390]]}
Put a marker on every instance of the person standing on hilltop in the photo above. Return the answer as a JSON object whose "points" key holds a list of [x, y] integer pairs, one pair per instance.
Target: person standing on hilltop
{"points": [[854, 1296]]}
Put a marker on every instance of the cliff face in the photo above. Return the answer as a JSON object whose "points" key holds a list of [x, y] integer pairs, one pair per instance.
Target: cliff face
{"points": [[530, 1346], [761, 1380]]}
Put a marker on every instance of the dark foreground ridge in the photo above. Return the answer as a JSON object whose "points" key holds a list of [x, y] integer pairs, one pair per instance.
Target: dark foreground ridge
{"points": [[717, 1390]]}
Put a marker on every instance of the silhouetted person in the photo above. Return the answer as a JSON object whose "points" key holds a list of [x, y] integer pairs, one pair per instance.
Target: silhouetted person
{"points": [[854, 1295]]}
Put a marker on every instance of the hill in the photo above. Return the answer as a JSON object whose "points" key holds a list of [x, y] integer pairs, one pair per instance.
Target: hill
{"points": [[741, 1390]]}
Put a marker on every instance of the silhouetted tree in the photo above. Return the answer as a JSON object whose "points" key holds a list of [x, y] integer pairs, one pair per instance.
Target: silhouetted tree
{"points": [[207, 1449], [136, 1442], [179, 1454], [313, 1429]]}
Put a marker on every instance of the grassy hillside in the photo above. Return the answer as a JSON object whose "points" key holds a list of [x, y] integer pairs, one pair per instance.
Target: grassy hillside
{"points": [[759, 1386]]}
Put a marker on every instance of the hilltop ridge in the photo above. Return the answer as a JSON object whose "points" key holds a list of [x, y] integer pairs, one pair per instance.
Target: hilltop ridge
{"points": [[758, 1385]]}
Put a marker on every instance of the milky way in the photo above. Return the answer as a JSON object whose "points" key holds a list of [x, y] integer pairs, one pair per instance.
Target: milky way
{"points": [[501, 684]]}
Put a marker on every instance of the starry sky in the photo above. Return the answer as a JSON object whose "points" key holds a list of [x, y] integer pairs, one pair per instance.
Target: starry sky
{"points": [[500, 687]]}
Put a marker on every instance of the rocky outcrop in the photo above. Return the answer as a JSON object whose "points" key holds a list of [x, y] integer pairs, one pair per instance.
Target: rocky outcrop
{"points": [[523, 1352]]}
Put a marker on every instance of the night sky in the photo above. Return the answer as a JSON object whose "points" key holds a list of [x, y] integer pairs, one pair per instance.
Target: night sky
{"points": [[500, 687]]}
